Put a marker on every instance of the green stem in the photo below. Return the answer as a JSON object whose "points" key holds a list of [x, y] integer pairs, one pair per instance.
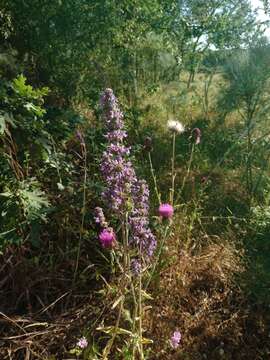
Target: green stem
{"points": [[83, 215], [140, 309], [173, 170], [135, 313], [125, 239], [187, 173], [107, 350], [154, 178], [126, 267], [158, 256]]}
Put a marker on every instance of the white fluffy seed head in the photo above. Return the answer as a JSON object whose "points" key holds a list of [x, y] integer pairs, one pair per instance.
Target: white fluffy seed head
{"points": [[176, 126]]}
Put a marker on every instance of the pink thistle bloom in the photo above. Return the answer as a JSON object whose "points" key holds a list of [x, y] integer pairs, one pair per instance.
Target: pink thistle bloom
{"points": [[82, 343], [175, 339], [107, 238], [165, 210]]}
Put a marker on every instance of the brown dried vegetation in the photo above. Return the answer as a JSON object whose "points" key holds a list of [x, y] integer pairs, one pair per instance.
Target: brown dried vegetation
{"points": [[198, 295]]}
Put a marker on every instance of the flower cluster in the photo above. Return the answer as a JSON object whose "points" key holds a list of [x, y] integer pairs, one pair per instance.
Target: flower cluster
{"points": [[107, 236], [123, 191], [138, 220], [82, 343], [100, 218], [116, 168], [175, 339], [135, 266]]}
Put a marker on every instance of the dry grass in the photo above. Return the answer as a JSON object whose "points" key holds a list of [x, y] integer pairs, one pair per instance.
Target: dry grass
{"points": [[198, 295]]}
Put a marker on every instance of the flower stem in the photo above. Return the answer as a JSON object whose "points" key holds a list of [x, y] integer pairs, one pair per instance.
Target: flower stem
{"points": [[83, 214], [154, 178], [173, 171], [107, 349], [158, 256], [126, 266], [140, 308], [187, 173]]}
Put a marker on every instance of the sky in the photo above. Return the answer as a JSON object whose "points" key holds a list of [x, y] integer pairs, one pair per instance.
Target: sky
{"points": [[261, 14]]}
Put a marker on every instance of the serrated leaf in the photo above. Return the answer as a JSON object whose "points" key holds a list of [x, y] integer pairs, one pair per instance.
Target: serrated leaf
{"points": [[34, 202]]}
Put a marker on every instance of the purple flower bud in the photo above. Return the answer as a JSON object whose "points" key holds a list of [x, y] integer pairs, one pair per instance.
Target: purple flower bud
{"points": [[175, 339], [107, 238], [165, 210], [196, 135], [148, 143]]}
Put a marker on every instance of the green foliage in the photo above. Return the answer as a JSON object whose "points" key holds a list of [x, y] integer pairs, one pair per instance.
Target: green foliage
{"points": [[55, 57], [248, 72], [23, 207], [129, 45], [22, 137]]}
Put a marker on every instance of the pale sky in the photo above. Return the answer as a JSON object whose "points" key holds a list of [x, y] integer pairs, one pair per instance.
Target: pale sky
{"points": [[261, 14]]}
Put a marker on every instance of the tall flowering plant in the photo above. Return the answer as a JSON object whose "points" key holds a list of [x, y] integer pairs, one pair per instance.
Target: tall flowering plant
{"points": [[126, 196], [126, 199]]}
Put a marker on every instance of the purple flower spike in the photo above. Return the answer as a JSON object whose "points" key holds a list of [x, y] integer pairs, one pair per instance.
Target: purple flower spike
{"points": [[135, 266], [138, 220], [100, 218], [175, 339], [165, 210], [123, 193], [117, 170], [107, 238], [82, 343]]}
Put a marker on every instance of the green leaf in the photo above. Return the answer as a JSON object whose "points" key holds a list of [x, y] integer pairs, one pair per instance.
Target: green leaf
{"points": [[34, 201], [37, 110], [113, 330]]}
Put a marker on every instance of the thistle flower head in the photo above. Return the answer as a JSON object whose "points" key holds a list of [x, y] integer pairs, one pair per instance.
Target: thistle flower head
{"points": [[82, 343], [165, 210], [107, 238], [175, 126], [175, 339]]}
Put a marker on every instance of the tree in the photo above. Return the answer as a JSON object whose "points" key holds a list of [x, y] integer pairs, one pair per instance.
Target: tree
{"points": [[248, 74], [194, 26]]}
